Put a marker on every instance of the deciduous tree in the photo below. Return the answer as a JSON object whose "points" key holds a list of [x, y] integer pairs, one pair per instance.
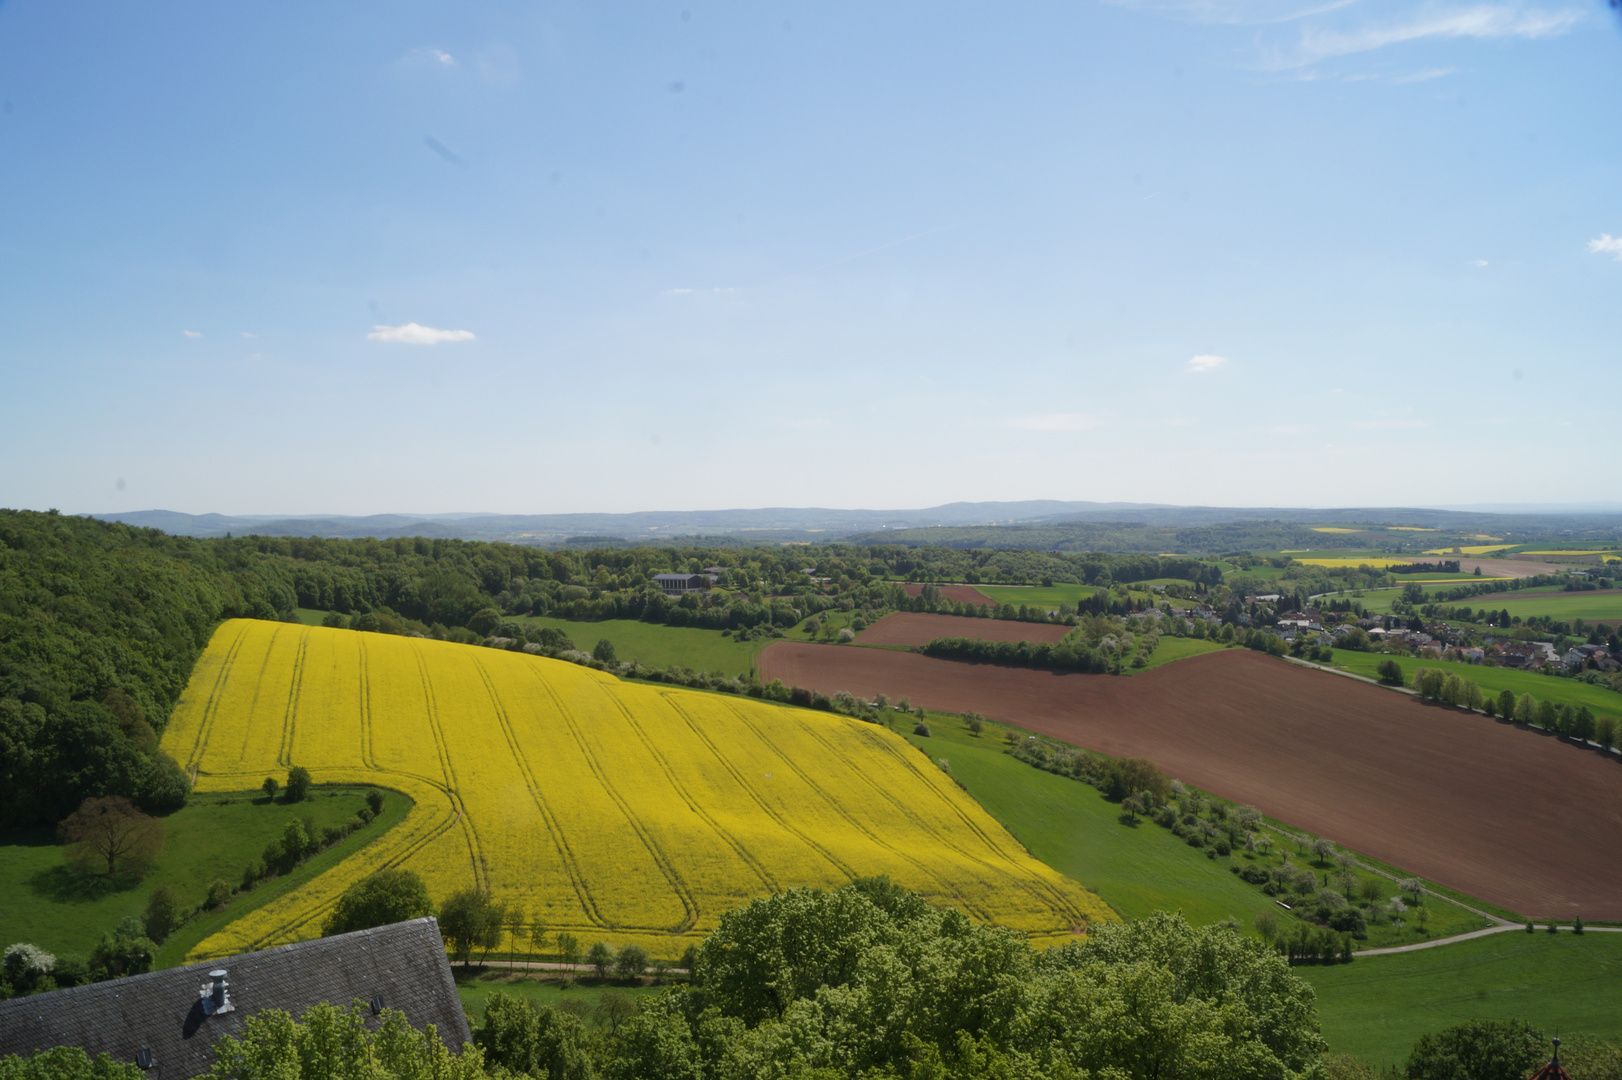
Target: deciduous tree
{"points": [[110, 831], [389, 896]]}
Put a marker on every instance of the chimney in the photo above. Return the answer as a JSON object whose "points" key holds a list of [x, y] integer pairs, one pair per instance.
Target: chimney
{"points": [[216, 995]]}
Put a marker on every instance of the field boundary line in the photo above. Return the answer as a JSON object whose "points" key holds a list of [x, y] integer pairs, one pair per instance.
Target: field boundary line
{"points": [[1036, 887], [258, 684], [840, 811], [310, 909], [290, 716], [904, 810], [1350, 675], [737, 775], [474, 850], [211, 706], [367, 757], [693, 804], [588, 903], [660, 859]]}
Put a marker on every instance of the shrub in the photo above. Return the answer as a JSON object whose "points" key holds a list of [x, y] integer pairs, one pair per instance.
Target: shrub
{"points": [[162, 913], [219, 894], [1478, 1050], [298, 784], [921, 728], [374, 801], [631, 962]]}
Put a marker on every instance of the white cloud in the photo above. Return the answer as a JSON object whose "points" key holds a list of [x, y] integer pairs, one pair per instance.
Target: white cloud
{"points": [[427, 57], [1054, 422], [1478, 262], [246, 334], [1481, 21], [1205, 362], [412, 334], [1606, 245], [192, 333]]}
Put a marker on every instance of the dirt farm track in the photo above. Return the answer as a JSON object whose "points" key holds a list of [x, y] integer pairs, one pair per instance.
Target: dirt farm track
{"points": [[1497, 811]]}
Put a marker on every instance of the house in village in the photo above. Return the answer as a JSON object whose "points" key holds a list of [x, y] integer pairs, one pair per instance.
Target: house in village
{"points": [[682, 584]]}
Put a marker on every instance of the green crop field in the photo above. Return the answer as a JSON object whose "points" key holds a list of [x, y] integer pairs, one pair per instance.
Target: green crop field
{"points": [[1172, 649], [474, 987], [1377, 1006], [1553, 602], [1042, 596], [215, 836], [1494, 680], [309, 616], [660, 646]]}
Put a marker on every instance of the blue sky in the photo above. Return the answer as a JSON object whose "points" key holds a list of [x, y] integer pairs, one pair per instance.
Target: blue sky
{"points": [[529, 258]]}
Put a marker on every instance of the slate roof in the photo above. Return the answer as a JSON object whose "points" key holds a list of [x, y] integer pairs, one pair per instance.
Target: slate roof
{"points": [[403, 963]]}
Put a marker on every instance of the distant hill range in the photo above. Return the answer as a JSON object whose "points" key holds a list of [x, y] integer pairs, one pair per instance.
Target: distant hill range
{"points": [[1034, 523]]}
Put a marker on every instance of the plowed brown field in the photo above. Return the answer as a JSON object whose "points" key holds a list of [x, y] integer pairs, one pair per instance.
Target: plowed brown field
{"points": [[1517, 818], [963, 594], [909, 628]]}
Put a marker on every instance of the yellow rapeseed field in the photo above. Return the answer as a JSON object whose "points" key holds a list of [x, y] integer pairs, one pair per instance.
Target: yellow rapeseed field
{"points": [[615, 811]]}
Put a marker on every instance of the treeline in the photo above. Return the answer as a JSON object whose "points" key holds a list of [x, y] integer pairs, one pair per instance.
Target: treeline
{"points": [[1066, 655], [1450, 688], [1446, 566]]}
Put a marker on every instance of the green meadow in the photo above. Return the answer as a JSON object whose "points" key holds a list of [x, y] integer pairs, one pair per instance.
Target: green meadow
{"points": [[214, 836], [474, 986], [657, 645], [1377, 1006], [1553, 602]]}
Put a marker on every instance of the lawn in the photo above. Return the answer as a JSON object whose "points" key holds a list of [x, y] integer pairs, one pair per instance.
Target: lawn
{"points": [[1493, 680], [474, 986], [309, 616], [214, 836], [1376, 1007], [658, 645]]}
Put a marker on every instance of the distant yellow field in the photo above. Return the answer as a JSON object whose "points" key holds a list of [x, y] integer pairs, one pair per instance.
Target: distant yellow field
{"points": [[1409, 528], [1371, 560], [616, 811], [1480, 549], [1334, 529], [1570, 551]]}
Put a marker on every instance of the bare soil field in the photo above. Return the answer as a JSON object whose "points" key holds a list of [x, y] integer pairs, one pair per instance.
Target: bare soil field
{"points": [[1518, 818], [963, 594], [909, 628], [1515, 568]]}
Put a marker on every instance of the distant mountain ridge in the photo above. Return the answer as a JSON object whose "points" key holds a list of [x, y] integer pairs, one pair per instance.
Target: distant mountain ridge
{"points": [[783, 524]]}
